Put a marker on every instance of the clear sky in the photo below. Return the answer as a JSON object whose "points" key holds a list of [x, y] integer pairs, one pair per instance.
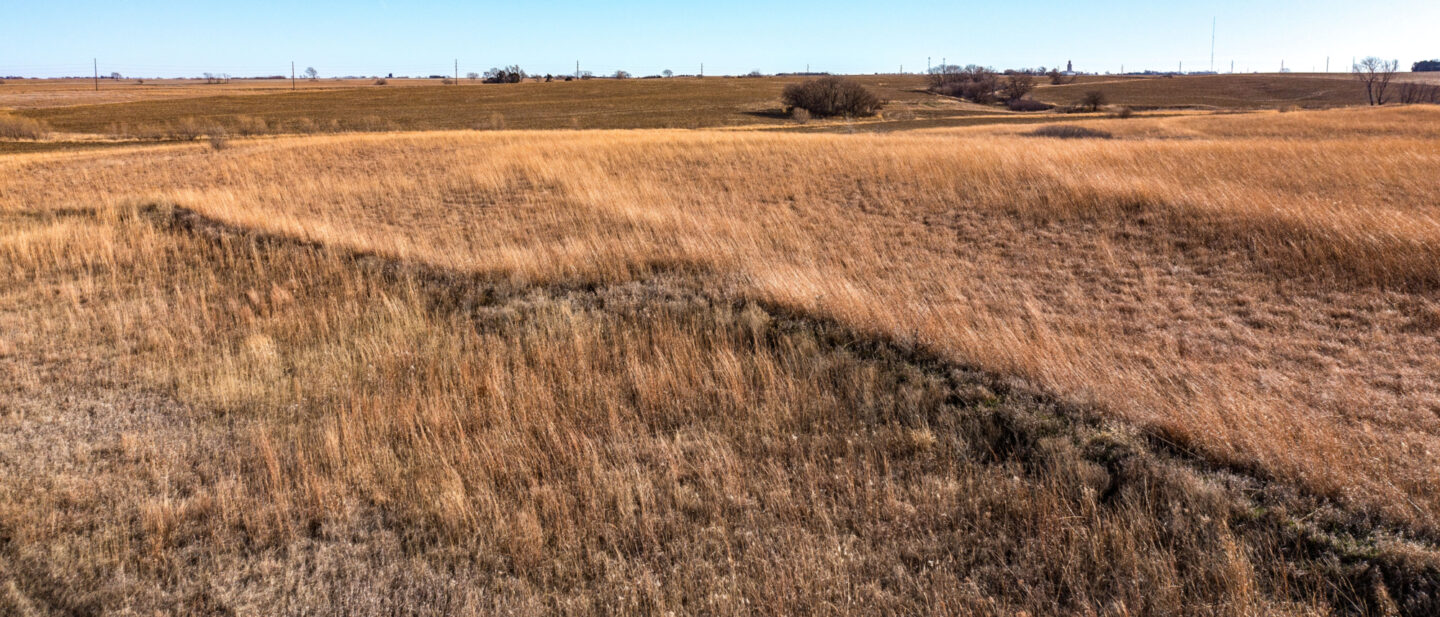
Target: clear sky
{"points": [[149, 38]]}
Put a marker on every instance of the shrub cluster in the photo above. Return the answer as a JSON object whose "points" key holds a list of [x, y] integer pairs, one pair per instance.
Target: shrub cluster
{"points": [[1065, 131], [831, 96], [512, 74], [976, 83]]}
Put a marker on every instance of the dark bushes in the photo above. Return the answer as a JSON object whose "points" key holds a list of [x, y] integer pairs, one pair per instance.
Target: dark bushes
{"points": [[832, 96], [512, 74], [1412, 93], [1028, 105], [1064, 131], [973, 82]]}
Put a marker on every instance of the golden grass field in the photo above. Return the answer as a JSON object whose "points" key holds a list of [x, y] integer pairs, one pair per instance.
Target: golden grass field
{"points": [[956, 370]]}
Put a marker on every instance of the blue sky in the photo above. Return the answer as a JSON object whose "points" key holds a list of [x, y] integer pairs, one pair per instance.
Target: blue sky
{"points": [[148, 38]]}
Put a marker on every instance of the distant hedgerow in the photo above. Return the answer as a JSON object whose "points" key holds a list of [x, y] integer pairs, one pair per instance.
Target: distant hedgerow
{"points": [[832, 96]]}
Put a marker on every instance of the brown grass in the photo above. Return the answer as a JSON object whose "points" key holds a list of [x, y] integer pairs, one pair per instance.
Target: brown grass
{"points": [[1239, 91], [587, 104], [12, 127], [722, 372]]}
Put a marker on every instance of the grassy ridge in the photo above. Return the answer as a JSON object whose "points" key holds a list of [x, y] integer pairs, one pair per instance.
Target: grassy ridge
{"points": [[356, 434]]}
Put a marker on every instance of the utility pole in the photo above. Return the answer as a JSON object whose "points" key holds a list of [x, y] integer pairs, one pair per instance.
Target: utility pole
{"points": [[927, 65], [292, 74], [457, 70], [1232, 66], [1327, 64], [577, 69], [96, 63], [702, 69]]}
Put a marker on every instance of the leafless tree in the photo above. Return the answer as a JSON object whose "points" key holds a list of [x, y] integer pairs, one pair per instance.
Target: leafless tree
{"points": [[311, 74], [1375, 74], [1094, 100], [1017, 86], [512, 74], [1410, 93], [668, 73]]}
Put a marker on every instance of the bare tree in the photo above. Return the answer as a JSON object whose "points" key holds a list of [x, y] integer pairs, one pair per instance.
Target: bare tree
{"points": [[1411, 93], [1375, 74], [622, 75], [472, 76], [1017, 86], [668, 73], [1094, 100], [311, 74], [512, 74]]}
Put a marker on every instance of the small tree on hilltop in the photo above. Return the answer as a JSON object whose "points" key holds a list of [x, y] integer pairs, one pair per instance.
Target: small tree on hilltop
{"points": [[1093, 100], [668, 73], [832, 96], [311, 74]]}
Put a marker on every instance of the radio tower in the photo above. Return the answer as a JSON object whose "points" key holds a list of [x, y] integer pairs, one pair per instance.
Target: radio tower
{"points": [[1213, 21]]}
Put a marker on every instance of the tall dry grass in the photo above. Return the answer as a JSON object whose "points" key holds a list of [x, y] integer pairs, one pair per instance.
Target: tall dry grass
{"points": [[214, 422], [1267, 300], [15, 127], [1258, 290]]}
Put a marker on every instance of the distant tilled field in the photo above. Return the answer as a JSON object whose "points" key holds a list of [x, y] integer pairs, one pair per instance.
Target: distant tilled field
{"points": [[1170, 365]]}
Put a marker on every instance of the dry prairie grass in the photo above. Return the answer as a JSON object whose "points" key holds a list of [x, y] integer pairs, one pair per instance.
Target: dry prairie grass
{"points": [[568, 368]]}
